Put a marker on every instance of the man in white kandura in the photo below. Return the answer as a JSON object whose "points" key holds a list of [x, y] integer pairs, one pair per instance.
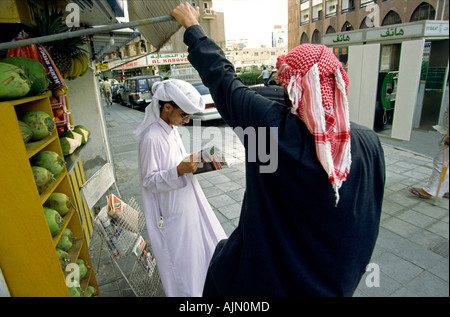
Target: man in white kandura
{"points": [[182, 227]]}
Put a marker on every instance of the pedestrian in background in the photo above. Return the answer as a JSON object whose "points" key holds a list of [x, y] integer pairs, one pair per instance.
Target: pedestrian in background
{"points": [[265, 75], [431, 188], [310, 227], [107, 91], [182, 227]]}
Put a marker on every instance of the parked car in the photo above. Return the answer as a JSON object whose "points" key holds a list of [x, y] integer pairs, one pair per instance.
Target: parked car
{"points": [[116, 90], [210, 112], [272, 90], [137, 91]]}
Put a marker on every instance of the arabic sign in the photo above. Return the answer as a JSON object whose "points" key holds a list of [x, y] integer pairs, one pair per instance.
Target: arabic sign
{"points": [[435, 28], [342, 38], [164, 59], [395, 32]]}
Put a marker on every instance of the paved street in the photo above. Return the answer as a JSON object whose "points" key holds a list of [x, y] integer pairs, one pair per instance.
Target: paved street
{"points": [[412, 251]]}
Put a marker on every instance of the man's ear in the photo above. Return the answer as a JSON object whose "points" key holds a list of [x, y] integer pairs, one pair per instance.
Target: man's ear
{"points": [[167, 106]]}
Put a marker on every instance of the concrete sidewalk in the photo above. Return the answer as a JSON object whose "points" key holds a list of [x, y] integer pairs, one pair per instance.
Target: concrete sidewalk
{"points": [[412, 251]]}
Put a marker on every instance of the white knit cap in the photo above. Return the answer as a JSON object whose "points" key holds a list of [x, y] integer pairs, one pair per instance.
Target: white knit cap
{"points": [[182, 93]]}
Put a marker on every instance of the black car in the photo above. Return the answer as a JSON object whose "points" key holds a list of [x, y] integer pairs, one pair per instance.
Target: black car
{"points": [[272, 90]]}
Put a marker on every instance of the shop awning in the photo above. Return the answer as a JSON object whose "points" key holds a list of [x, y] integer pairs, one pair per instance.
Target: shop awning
{"points": [[156, 34]]}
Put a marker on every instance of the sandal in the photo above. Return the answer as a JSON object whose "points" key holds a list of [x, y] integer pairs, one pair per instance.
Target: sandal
{"points": [[445, 195], [416, 192]]}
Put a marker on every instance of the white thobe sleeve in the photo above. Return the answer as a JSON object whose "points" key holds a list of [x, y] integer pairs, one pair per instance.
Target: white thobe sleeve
{"points": [[153, 177]]}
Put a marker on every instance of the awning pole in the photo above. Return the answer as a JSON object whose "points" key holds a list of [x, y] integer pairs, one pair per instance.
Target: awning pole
{"points": [[79, 33]]}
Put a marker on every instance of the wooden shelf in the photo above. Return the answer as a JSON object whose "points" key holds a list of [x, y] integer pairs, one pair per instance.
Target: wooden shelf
{"points": [[25, 237]]}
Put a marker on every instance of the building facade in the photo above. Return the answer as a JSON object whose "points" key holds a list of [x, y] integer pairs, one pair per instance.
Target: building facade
{"points": [[309, 20]]}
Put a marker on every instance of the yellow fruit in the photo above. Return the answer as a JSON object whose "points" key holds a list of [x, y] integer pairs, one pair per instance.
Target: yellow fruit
{"points": [[60, 90], [49, 93], [82, 57]]}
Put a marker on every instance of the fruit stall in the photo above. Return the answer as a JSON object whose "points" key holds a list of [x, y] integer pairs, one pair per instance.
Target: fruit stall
{"points": [[45, 223]]}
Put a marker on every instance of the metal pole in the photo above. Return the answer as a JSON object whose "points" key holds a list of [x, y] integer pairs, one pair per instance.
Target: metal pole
{"points": [[100, 29]]}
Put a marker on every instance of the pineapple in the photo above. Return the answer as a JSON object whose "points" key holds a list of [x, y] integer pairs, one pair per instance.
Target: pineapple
{"points": [[62, 51]]}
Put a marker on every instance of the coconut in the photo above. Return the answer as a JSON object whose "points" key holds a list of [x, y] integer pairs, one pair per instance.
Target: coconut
{"points": [[83, 131], [63, 257], [67, 232], [74, 135], [50, 160], [90, 291], [64, 243], [13, 82], [68, 145], [54, 220], [33, 70], [74, 291], [41, 123], [83, 268], [27, 131], [60, 202], [42, 177]]}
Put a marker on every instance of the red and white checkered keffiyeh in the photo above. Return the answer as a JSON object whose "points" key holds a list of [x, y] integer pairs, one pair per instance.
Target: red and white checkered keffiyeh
{"points": [[317, 86]]}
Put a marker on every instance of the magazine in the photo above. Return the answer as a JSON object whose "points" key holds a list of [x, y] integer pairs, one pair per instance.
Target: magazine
{"points": [[212, 159], [144, 255]]}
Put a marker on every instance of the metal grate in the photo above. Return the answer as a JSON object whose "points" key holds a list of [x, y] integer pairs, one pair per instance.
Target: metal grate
{"points": [[441, 248]]}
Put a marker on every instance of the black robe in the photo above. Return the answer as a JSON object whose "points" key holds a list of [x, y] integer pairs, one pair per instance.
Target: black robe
{"points": [[291, 239]]}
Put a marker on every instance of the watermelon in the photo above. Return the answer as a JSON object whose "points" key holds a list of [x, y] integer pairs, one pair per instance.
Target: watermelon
{"points": [[60, 202], [49, 160], [33, 70], [54, 220], [13, 82], [42, 177], [41, 123], [27, 131]]}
